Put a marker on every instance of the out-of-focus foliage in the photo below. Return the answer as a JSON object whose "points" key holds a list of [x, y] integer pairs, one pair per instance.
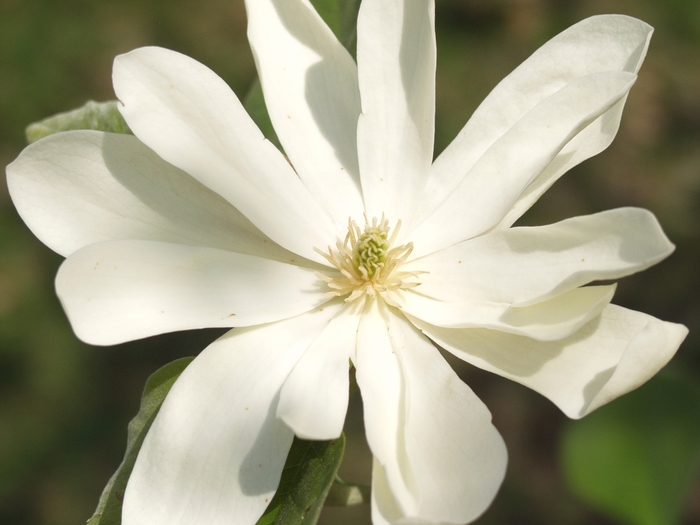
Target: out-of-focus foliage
{"points": [[64, 406], [636, 457]]}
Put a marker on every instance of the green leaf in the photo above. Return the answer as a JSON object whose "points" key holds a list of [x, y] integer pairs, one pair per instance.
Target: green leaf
{"points": [[101, 116], [636, 458], [307, 477], [109, 508]]}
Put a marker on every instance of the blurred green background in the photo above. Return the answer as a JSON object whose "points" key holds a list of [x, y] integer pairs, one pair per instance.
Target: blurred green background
{"points": [[64, 405]]}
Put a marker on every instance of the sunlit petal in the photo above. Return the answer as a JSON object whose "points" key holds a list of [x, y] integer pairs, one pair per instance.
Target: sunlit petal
{"points": [[396, 60], [189, 116], [594, 45], [493, 184], [521, 266], [124, 290], [381, 383], [215, 451], [457, 457], [312, 95], [611, 355], [82, 187], [441, 460], [548, 320], [314, 398]]}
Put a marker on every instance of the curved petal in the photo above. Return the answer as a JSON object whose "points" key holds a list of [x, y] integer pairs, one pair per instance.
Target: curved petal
{"points": [[522, 266], [82, 187], [547, 321], [501, 174], [314, 398], [591, 141], [189, 116], [436, 450], [457, 456], [396, 62], [123, 290], [381, 385], [311, 92], [597, 44], [215, 451], [611, 355], [385, 508]]}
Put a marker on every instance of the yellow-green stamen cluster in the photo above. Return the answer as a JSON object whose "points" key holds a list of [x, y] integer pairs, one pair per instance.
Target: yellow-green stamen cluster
{"points": [[368, 262], [370, 252]]}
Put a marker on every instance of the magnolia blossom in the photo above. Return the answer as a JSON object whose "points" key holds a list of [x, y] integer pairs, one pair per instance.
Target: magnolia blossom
{"points": [[352, 246]]}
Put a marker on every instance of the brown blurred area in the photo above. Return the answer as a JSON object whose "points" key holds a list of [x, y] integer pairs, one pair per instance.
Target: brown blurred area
{"points": [[64, 405]]}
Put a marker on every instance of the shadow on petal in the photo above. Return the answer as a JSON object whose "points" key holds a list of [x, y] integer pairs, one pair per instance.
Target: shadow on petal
{"points": [[272, 436]]}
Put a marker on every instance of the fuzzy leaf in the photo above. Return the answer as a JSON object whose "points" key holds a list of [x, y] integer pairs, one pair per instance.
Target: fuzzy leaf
{"points": [[101, 116], [308, 474], [109, 508]]}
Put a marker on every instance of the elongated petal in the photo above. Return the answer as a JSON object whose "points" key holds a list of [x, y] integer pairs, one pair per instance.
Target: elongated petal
{"points": [[123, 290], [311, 92], [521, 266], [457, 456], [314, 398], [597, 44], [396, 61], [611, 355], [438, 457], [549, 320], [381, 384], [494, 183], [385, 508], [191, 118], [216, 449], [591, 141], [82, 187]]}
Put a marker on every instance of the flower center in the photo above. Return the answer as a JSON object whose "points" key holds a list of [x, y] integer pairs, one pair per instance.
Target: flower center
{"points": [[369, 263]]}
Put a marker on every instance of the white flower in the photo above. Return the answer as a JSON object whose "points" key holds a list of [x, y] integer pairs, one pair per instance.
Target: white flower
{"points": [[197, 221]]}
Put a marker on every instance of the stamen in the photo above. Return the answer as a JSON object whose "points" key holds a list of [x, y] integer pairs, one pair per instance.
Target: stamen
{"points": [[369, 263]]}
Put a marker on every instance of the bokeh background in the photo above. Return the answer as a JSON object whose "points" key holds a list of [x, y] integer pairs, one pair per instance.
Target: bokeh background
{"points": [[64, 405]]}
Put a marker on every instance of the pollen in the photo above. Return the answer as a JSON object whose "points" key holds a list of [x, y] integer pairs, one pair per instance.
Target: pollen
{"points": [[369, 263]]}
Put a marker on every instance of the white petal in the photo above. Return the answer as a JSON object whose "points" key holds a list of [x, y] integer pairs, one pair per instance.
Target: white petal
{"points": [[501, 174], [597, 44], [396, 61], [381, 384], [314, 398], [191, 118], [438, 457], [311, 92], [611, 355], [385, 508], [549, 320], [123, 290], [82, 187], [591, 141], [522, 266], [457, 456], [215, 452]]}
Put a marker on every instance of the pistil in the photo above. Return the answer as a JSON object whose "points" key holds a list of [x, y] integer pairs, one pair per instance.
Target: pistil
{"points": [[368, 263]]}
